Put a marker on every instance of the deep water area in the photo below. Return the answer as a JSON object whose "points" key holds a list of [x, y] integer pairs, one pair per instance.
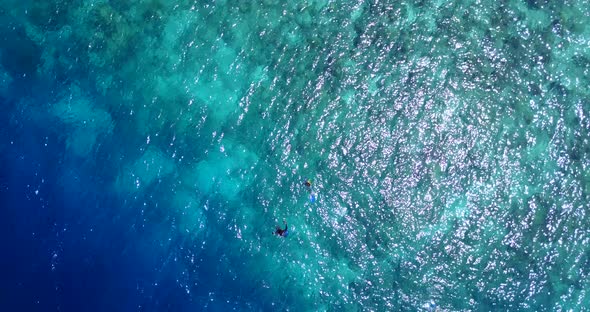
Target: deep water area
{"points": [[149, 148]]}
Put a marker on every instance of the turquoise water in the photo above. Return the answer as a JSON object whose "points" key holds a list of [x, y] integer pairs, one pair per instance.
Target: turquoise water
{"points": [[149, 148]]}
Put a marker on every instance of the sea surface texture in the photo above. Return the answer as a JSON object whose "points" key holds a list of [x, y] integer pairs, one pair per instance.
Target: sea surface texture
{"points": [[149, 148]]}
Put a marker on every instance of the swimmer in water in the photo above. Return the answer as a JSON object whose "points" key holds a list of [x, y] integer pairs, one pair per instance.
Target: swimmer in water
{"points": [[281, 232], [312, 194]]}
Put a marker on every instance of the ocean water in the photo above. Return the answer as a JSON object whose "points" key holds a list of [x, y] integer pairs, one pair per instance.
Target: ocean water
{"points": [[149, 148]]}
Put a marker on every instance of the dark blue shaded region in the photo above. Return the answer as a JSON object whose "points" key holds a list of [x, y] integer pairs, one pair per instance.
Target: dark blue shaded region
{"points": [[72, 246], [57, 255]]}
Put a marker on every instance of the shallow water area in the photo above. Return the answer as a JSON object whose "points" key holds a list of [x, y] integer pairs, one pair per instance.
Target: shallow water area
{"points": [[150, 148]]}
